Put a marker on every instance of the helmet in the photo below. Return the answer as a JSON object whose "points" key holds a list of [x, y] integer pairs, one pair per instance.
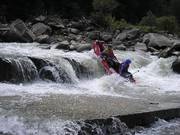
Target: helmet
{"points": [[128, 61]]}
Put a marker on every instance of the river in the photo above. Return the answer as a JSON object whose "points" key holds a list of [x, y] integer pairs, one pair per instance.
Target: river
{"points": [[44, 107]]}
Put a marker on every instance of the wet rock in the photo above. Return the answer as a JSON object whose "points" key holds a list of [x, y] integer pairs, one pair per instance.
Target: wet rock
{"points": [[176, 65], [54, 74], [62, 45], [140, 46], [157, 40], [17, 69], [18, 33], [40, 29], [49, 73], [80, 70], [40, 63]]}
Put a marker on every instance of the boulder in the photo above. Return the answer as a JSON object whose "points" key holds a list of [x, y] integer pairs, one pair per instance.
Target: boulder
{"points": [[107, 37], [157, 40], [73, 30], [128, 35], [40, 29], [43, 39], [40, 18], [93, 35], [176, 65], [49, 73], [55, 22], [83, 47], [62, 45], [120, 47], [18, 32], [140, 46]]}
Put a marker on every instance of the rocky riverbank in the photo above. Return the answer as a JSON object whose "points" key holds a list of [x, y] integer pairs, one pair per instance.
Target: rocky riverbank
{"points": [[78, 35]]}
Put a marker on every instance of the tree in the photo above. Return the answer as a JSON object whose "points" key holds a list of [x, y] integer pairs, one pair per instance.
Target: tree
{"points": [[104, 6], [175, 8]]}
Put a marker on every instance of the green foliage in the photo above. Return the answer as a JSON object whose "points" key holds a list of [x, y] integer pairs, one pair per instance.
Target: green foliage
{"points": [[114, 24], [175, 8], [146, 29], [149, 20], [167, 23]]}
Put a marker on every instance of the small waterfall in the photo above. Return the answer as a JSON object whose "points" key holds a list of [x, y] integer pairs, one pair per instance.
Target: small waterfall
{"points": [[17, 69]]}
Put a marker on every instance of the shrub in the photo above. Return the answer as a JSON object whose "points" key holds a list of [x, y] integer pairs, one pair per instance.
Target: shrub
{"points": [[167, 23], [149, 20], [114, 24]]}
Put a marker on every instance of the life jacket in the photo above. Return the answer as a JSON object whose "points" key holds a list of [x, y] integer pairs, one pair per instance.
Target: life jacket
{"points": [[124, 67], [98, 47], [109, 53]]}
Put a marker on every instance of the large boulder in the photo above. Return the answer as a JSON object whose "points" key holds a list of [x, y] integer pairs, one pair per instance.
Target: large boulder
{"points": [[93, 35], [107, 37], [157, 40], [84, 47], [62, 45], [128, 35], [40, 29], [18, 32], [43, 39], [55, 74], [176, 66]]}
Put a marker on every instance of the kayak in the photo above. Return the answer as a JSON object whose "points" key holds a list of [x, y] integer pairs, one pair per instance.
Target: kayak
{"points": [[109, 70]]}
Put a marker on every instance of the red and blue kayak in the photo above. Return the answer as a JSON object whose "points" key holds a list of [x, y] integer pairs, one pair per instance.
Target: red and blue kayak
{"points": [[98, 47]]}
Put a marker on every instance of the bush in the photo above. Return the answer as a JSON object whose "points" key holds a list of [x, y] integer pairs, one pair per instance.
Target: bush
{"points": [[149, 20], [114, 24], [167, 23]]}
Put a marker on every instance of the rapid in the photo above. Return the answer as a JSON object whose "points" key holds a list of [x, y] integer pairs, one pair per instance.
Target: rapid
{"points": [[42, 107]]}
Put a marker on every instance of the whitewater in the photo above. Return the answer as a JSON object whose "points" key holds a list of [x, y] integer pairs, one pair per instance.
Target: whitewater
{"points": [[23, 109]]}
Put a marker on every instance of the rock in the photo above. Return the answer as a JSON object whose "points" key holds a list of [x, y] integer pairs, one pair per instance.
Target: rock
{"points": [[176, 65], [157, 40], [165, 53], [62, 45], [40, 29], [55, 22], [107, 37], [128, 35], [49, 73], [169, 50], [55, 74], [43, 39], [78, 25], [83, 47], [120, 47], [40, 18], [73, 30], [18, 33], [17, 69], [176, 45], [93, 35], [39, 63], [140, 46]]}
